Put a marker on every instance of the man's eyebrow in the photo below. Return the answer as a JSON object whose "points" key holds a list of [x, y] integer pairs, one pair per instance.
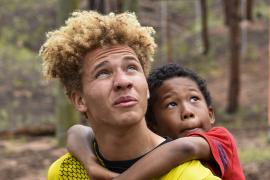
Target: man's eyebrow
{"points": [[131, 58], [99, 65]]}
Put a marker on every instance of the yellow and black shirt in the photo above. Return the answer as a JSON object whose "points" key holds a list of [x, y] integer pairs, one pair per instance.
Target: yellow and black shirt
{"points": [[68, 167]]}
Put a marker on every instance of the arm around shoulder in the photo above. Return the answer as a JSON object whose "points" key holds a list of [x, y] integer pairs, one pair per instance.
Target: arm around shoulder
{"points": [[168, 156]]}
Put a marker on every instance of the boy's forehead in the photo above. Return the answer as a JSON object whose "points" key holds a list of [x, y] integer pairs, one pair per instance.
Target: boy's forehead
{"points": [[175, 84], [103, 52]]}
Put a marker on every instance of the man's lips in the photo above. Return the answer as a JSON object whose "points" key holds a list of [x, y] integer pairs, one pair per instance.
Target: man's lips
{"points": [[125, 101]]}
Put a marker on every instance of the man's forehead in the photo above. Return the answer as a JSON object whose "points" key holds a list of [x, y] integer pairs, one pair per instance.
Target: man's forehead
{"points": [[106, 51]]}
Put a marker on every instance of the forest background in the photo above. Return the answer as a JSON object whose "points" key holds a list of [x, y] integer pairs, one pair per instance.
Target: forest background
{"points": [[226, 42]]}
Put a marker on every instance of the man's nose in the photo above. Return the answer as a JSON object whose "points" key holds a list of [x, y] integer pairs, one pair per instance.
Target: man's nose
{"points": [[186, 112], [122, 81]]}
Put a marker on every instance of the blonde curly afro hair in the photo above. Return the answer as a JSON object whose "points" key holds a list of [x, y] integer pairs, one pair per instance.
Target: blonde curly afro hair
{"points": [[65, 48]]}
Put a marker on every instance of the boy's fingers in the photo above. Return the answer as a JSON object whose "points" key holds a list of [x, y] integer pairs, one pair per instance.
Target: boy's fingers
{"points": [[98, 173]]}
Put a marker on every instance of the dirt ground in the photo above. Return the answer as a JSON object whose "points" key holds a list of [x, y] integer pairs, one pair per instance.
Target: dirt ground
{"points": [[27, 158]]}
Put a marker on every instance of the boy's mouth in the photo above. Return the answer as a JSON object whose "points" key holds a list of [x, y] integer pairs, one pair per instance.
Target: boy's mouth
{"points": [[192, 130]]}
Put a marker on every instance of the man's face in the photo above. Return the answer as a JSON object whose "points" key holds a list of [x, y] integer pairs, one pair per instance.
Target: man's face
{"points": [[114, 88], [180, 108]]}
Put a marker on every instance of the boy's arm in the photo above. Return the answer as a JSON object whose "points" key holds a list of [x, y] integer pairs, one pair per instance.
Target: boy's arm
{"points": [[168, 156], [79, 140]]}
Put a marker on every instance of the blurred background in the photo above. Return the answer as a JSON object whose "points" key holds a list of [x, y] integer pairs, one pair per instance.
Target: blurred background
{"points": [[225, 41]]}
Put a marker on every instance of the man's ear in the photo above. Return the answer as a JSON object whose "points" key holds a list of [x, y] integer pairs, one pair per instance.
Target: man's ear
{"points": [[78, 101], [211, 115], [148, 94]]}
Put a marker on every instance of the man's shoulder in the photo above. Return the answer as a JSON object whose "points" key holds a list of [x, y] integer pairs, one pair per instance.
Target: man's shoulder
{"points": [[192, 170], [67, 167]]}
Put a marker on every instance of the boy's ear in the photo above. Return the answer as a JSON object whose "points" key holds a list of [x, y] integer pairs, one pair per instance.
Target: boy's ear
{"points": [[148, 94], [211, 115], [78, 101]]}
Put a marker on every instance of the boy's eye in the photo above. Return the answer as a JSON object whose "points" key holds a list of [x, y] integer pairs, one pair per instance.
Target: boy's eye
{"points": [[171, 105], [194, 99], [103, 74]]}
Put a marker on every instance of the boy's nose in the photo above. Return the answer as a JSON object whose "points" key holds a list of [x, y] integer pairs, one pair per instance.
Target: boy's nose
{"points": [[122, 81], [186, 113]]}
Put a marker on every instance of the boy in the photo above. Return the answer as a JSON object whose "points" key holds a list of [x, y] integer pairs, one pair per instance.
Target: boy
{"points": [[180, 107]]}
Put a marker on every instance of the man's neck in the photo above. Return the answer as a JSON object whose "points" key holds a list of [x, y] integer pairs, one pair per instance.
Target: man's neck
{"points": [[121, 145]]}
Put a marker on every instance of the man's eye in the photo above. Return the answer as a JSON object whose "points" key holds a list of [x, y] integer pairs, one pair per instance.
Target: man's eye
{"points": [[102, 74], [132, 68], [194, 99], [171, 105]]}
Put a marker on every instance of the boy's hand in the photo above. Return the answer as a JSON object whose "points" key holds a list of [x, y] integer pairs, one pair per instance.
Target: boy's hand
{"points": [[97, 172], [79, 142]]}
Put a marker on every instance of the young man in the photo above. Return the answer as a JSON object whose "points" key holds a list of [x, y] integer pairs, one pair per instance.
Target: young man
{"points": [[180, 106], [102, 60]]}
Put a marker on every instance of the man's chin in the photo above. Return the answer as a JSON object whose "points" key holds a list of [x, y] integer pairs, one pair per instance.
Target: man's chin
{"points": [[128, 119]]}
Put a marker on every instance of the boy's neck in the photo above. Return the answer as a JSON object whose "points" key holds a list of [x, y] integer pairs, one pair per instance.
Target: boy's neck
{"points": [[129, 144]]}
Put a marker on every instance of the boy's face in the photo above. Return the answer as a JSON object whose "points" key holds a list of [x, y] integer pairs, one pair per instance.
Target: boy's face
{"points": [[114, 92], [180, 108]]}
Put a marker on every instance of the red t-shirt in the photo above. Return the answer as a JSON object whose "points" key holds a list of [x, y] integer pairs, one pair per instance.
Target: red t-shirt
{"points": [[223, 148]]}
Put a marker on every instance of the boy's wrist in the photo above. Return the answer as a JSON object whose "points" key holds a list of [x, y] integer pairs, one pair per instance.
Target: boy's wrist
{"points": [[96, 171], [91, 161]]}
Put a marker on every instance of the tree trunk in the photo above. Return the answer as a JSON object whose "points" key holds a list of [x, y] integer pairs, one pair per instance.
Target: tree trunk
{"points": [[131, 5], [226, 10], [65, 112], [249, 10], [119, 5], [268, 134], [66, 116], [97, 5], [235, 46], [169, 40], [164, 14], [116, 6], [205, 38]]}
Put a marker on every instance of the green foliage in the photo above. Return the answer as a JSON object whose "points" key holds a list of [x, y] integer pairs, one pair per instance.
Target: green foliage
{"points": [[131, 5], [20, 74], [18, 59], [243, 119], [25, 23], [262, 8], [254, 154], [252, 53], [3, 119]]}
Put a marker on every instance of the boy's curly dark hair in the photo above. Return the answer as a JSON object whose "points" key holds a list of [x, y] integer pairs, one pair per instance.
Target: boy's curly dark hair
{"points": [[168, 71]]}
